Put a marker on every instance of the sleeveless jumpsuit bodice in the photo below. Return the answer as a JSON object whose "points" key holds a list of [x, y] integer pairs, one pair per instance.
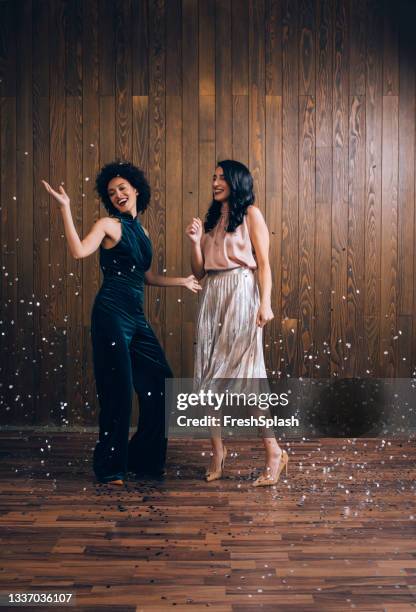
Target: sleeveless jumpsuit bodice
{"points": [[123, 267]]}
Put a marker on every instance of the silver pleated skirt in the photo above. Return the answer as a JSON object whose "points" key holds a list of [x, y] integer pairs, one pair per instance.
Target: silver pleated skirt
{"points": [[229, 343]]}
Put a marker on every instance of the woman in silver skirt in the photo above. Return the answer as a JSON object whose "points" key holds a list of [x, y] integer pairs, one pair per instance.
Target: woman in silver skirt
{"points": [[232, 313]]}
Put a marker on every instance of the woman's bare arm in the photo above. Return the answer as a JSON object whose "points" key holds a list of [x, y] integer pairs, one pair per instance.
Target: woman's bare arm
{"points": [[259, 236], [158, 280], [194, 233], [77, 247]]}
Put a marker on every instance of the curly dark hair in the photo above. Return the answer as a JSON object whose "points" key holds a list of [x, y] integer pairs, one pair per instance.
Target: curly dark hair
{"points": [[240, 182], [132, 174]]}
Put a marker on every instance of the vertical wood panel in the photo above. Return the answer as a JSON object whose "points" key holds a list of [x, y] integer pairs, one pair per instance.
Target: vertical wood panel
{"points": [[357, 47], [257, 100], [373, 186], [75, 347], [190, 161], [240, 81], [124, 81], [157, 127], [174, 230], [58, 249], [306, 232], [389, 195], [340, 189], [174, 220], [206, 41], [140, 47], [323, 184], [390, 48], [41, 211], [274, 223], [406, 195], [355, 362], [223, 83], [273, 27], [290, 202], [306, 47], [24, 192], [8, 26], [240, 48], [90, 205], [106, 20], [8, 186]]}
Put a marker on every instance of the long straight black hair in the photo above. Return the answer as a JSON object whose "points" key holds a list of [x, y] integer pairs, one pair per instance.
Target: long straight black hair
{"points": [[240, 182]]}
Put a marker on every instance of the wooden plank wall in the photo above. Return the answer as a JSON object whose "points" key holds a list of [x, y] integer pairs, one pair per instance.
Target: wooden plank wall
{"points": [[316, 96]]}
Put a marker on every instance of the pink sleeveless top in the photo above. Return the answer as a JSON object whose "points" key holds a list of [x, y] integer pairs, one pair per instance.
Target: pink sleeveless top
{"points": [[224, 250]]}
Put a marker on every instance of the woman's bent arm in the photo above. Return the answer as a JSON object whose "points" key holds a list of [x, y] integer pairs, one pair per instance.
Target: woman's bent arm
{"points": [[78, 248], [82, 248], [197, 260], [194, 233]]}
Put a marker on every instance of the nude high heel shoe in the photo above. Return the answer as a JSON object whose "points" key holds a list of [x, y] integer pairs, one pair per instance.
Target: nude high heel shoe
{"points": [[217, 474], [272, 479]]}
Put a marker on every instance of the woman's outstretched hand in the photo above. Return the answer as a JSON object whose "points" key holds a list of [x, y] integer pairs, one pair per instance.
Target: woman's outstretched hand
{"points": [[264, 315], [192, 284], [194, 230], [60, 196]]}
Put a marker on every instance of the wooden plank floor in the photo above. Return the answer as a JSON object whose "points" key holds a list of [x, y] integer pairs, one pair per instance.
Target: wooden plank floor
{"points": [[338, 534]]}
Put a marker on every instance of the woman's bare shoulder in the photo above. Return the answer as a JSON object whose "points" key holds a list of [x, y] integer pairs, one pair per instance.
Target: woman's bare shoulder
{"points": [[254, 215]]}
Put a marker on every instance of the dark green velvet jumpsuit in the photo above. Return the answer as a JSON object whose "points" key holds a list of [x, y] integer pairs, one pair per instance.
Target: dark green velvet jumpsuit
{"points": [[127, 354]]}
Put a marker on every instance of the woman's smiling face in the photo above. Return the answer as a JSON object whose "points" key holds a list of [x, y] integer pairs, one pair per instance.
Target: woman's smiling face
{"points": [[123, 195], [220, 188]]}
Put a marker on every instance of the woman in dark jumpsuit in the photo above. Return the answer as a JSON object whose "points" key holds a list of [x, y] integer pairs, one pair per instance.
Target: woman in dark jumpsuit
{"points": [[126, 351]]}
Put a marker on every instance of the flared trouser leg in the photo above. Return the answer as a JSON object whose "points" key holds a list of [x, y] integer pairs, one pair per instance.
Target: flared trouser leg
{"points": [[147, 448], [111, 338]]}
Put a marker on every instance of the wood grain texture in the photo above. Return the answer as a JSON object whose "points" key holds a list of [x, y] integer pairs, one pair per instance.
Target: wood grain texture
{"points": [[306, 47], [190, 164], [123, 79], [57, 248], [316, 97], [290, 202], [355, 351], [389, 262], [91, 206], [329, 536], [8, 186], [373, 187], [340, 189], [273, 49], [41, 148], [223, 80], [323, 186], [73, 152], [257, 100], [24, 228], [274, 183], [157, 150], [306, 233]]}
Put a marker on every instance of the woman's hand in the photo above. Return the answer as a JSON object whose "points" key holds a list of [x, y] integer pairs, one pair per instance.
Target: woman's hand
{"points": [[192, 284], [194, 230], [264, 315], [60, 196]]}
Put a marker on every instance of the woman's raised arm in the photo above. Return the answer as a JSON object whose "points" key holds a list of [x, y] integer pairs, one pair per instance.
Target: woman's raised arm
{"points": [[78, 248]]}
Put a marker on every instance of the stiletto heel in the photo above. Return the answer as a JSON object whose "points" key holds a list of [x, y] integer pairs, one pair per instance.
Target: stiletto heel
{"points": [[267, 481], [217, 474]]}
